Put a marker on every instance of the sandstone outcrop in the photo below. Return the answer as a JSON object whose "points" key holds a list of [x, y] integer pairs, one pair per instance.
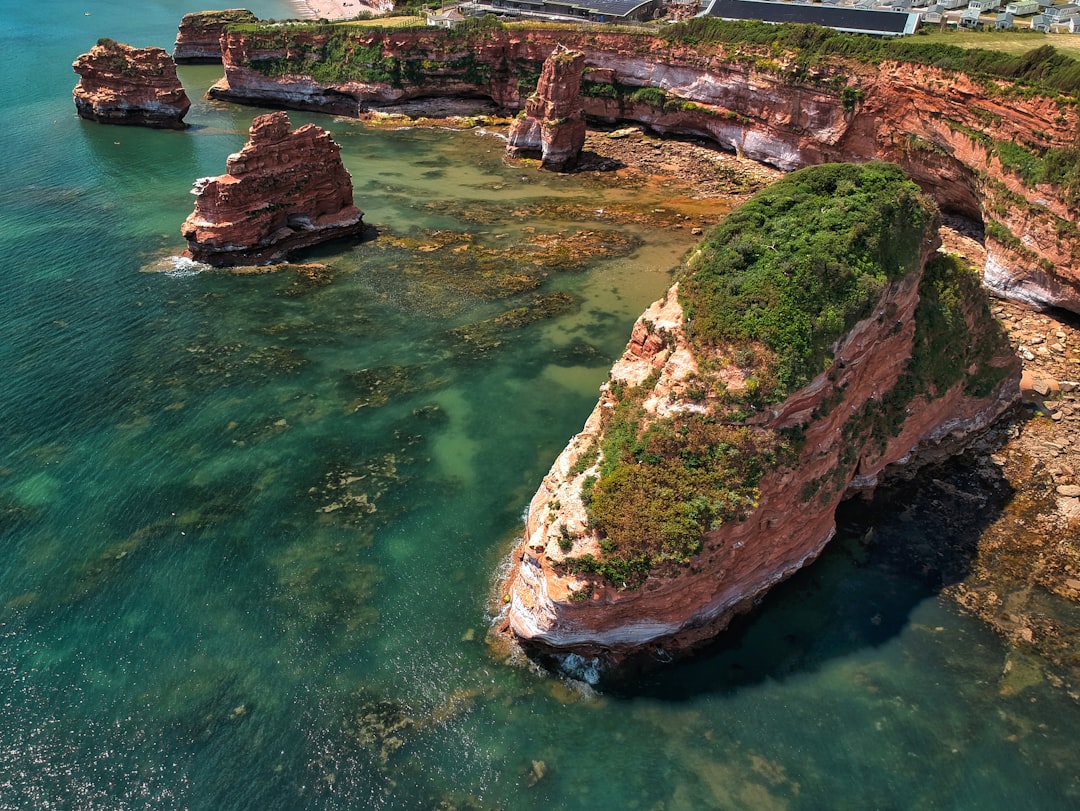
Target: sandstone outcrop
{"points": [[883, 407], [553, 125], [949, 131], [198, 40], [283, 191], [119, 84]]}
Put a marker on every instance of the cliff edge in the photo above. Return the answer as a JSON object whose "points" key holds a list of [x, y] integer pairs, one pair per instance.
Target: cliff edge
{"points": [[815, 344], [198, 37], [998, 148], [119, 84], [283, 191]]}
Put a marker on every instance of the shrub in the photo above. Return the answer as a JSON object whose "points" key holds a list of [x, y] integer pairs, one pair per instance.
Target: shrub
{"points": [[794, 268]]}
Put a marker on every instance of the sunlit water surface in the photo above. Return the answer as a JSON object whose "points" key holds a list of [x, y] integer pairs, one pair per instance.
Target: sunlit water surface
{"points": [[249, 523]]}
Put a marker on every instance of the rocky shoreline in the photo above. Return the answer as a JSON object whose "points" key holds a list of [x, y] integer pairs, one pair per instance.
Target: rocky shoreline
{"points": [[1030, 552], [1024, 580]]}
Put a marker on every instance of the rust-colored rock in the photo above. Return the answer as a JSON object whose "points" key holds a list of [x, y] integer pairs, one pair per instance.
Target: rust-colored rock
{"points": [[553, 126], [941, 126], [554, 610], [283, 191], [119, 84], [198, 40]]}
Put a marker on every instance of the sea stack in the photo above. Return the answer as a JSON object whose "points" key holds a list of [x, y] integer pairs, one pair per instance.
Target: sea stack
{"points": [[198, 40], [815, 345], [553, 126], [119, 84], [283, 191]]}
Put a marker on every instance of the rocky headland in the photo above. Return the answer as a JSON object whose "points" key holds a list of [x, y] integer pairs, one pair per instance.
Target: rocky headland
{"points": [[198, 39], [982, 147], [119, 84], [553, 124], [285, 190], [712, 466]]}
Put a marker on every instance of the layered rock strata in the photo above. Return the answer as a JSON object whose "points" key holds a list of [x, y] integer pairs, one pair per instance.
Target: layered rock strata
{"points": [[198, 40], [119, 84], [951, 132], [283, 191], [873, 413], [553, 125]]}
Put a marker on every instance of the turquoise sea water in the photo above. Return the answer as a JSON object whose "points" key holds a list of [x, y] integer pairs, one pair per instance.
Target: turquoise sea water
{"points": [[248, 523]]}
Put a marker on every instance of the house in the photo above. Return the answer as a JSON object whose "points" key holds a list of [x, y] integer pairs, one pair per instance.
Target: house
{"points": [[983, 5], [852, 20], [1040, 22], [951, 4], [1003, 22], [600, 11], [970, 18], [1023, 8], [445, 17], [1061, 13]]}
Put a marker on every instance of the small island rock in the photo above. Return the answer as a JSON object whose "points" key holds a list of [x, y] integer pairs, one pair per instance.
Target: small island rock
{"points": [[283, 191], [198, 40], [554, 120], [120, 84]]}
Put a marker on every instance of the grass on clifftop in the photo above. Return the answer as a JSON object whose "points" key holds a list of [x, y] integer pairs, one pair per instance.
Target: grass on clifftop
{"points": [[794, 268], [789, 272]]}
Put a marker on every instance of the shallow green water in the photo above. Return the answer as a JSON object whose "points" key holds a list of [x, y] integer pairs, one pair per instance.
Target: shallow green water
{"points": [[248, 524]]}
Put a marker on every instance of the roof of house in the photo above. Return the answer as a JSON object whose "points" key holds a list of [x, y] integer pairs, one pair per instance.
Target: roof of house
{"points": [[860, 21], [613, 8]]}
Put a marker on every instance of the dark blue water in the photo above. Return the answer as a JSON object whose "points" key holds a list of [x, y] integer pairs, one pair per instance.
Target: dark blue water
{"points": [[248, 524]]}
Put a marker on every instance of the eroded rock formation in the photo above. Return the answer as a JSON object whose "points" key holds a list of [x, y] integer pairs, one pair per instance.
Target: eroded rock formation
{"points": [[553, 125], [119, 84], [945, 128], [884, 406], [283, 191], [198, 40]]}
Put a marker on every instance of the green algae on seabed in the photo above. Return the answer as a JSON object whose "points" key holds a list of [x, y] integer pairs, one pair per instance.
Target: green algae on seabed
{"points": [[483, 336]]}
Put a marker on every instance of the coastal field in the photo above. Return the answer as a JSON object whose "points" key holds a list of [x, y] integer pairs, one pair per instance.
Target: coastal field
{"points": [[1012, 42]]}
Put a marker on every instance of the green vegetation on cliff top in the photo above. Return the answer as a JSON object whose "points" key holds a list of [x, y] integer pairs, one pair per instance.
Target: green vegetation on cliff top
{"points": [[789, 272], [795, 267], [1040, 65]]}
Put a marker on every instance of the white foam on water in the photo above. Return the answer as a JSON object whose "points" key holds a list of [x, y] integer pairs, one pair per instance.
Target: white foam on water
{"points": [[182, 266]]}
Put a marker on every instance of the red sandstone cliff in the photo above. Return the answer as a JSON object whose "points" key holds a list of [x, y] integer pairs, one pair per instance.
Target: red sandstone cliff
{"points": [[679, 607], [198, 39], [940, 126], [283, 191], [553, 125], [119, 84]]}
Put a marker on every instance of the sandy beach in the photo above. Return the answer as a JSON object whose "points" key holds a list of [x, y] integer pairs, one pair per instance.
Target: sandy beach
{"points": [[339, 9]]}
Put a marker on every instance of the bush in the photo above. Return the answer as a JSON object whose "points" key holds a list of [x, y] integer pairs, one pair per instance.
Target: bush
{"points": [[794, 268]]}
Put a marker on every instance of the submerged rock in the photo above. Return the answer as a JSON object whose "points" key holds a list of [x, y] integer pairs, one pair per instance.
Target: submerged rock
{"points": [[554, 120], [119, 84], [283, 191], [778, 377]]}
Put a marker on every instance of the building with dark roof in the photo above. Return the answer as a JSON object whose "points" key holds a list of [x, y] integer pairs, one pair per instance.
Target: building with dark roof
{"points": [[852, 20], [595, 10]]}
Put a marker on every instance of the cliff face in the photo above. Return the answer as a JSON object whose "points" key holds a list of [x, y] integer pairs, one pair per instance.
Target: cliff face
{"points": [[863, 419], [119, 84], [198, 40], [954, 136], [283, 191], [554, 122]]}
